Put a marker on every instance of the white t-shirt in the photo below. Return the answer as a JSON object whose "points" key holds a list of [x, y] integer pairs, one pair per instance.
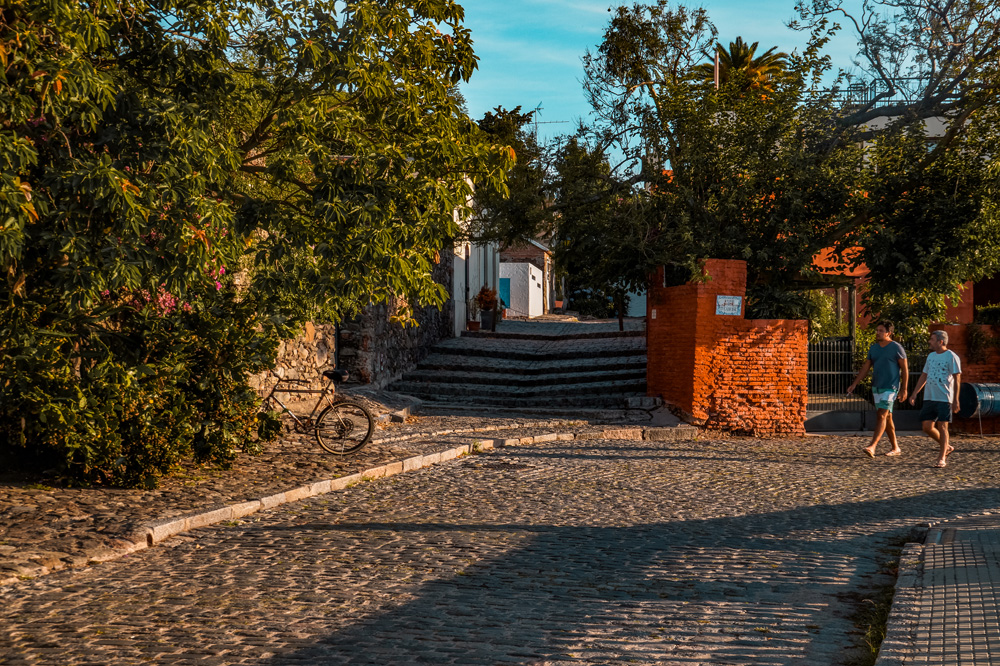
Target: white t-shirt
{"points": [[941, 369]]}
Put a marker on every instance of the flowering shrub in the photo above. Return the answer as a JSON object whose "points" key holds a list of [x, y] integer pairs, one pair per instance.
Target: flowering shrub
{"points": [[124, 410]]}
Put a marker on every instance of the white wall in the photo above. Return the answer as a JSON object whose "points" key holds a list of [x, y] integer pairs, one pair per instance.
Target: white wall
{"points": [[527, 289], [636, 304], [481, 262]]}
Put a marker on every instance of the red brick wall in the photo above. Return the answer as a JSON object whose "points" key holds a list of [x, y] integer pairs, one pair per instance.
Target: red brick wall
{"points": [[524, 253], [986, 371], [724, 371]]}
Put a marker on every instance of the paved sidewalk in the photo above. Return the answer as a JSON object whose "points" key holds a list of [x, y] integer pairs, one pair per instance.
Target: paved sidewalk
{"points": [[947, 606]]}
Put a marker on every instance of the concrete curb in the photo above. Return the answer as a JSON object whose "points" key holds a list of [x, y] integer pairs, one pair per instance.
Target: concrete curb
{"points": [[898, 645], [156, 531]]}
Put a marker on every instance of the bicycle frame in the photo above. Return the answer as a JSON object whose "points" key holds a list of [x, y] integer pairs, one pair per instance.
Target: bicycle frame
{"points": [[287, 386]]}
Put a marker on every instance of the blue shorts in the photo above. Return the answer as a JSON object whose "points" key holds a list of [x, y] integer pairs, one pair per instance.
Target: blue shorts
{"points": [[936, 411], [884, 398]]}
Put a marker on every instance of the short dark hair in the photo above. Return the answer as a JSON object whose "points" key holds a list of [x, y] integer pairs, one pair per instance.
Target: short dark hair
{"points": [[886, 324]]}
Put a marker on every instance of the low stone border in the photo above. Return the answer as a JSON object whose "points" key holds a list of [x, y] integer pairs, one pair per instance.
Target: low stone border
{"points": [[157, 531]]}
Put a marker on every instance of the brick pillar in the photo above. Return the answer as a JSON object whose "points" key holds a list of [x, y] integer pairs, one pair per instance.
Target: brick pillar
{"points": [[721, 370]]}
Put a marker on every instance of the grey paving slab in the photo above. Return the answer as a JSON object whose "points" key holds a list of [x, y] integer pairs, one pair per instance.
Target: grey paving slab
{"points": [[710, 552], [947, 611]]}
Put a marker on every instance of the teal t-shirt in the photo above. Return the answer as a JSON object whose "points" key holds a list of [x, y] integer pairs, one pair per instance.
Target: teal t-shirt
{"points": [[885, 365]]}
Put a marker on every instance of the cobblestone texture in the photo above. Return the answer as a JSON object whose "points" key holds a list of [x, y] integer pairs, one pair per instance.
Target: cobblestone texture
{"points": [[727, 551], [43, 528]]}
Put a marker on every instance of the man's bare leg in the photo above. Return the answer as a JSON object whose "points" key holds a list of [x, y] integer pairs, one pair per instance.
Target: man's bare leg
{"points": [[946, 447], [890, 430], [931, 431], [882, 415]]}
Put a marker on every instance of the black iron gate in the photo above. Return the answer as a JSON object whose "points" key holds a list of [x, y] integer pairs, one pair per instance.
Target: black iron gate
{"points": [[831, 369]]}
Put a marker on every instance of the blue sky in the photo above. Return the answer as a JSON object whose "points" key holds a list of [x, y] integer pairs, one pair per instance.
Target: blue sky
{"points": [[530, 50]]}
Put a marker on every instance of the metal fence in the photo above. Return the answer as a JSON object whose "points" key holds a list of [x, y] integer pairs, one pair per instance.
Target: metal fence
{"points": [[831, 370]]}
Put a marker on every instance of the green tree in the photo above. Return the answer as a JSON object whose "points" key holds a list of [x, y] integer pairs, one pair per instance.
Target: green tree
{"points": [[773, 179], [518, 210], [759, 70], [153, 150], [601, 235]]}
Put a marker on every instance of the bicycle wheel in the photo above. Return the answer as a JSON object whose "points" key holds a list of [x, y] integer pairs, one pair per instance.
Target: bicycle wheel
{"points": [[344, 428]]}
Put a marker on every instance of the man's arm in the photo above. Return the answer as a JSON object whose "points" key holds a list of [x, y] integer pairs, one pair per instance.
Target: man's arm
{"points": [[865, 367], [918, 387], [904, 378], [958, 384]]}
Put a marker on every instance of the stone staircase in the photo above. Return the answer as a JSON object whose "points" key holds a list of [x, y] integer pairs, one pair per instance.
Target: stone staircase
{"points": [[536, 367]]}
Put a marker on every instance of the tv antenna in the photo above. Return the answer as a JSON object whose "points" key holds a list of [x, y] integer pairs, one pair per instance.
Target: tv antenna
{"points": [[537, 111]]}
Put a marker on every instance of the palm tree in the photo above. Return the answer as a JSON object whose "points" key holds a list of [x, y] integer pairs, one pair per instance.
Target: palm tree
{"points": [[761, 70]]}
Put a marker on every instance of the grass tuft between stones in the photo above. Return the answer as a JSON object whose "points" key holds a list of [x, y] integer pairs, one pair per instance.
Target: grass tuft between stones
{"points": [[873, 606]]}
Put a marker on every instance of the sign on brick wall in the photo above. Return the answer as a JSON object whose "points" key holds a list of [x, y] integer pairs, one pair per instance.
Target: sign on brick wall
{"points": [[729, 305]]}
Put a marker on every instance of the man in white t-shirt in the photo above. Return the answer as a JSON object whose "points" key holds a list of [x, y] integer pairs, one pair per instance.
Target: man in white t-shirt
{"points": [[942, 375]]}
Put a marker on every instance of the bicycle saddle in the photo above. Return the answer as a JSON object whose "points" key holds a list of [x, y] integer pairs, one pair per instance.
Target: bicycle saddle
{"points": [[336, 375]]}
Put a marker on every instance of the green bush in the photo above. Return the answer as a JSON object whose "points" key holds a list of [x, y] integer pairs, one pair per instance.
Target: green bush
{"points": [[126, 404], [593, 303], [988, 315], [819, 308]]}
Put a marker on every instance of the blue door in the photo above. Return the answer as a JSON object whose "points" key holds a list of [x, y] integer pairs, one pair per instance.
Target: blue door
{"points": [[505, 292]]}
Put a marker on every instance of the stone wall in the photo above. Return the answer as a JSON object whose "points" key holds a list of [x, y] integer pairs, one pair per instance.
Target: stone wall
{"points": [[373, 349], [377, 351], [721, 370], [305, 357]]}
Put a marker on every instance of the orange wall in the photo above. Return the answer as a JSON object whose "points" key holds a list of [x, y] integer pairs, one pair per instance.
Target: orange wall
{"points": [[724, 371]]}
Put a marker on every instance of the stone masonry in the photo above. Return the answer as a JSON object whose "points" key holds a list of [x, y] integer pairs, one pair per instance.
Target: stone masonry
{"points": [[304, 357], [376, 350], [373, 349]]}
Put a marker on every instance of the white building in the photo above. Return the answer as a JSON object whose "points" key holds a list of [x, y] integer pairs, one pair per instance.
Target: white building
{"points": [[523, 289], [476, 265]]}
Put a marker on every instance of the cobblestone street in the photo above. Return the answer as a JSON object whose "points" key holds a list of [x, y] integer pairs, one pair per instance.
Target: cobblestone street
{"points": [[708, 552]]}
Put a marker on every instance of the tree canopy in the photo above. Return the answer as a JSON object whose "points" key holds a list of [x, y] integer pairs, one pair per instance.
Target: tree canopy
{"points": [[774, 179], [516, 211], [182, 182], [760, 70]]}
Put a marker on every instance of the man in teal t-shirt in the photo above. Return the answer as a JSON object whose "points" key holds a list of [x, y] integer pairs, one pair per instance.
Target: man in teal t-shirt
{"points": [[888, 358]]}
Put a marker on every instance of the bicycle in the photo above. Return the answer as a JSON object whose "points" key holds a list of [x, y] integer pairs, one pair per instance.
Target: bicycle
{"points": [[343, 427]]}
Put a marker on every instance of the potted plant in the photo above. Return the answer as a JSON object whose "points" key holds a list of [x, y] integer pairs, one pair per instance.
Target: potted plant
{"points": [[486, 299], [472, 315]]}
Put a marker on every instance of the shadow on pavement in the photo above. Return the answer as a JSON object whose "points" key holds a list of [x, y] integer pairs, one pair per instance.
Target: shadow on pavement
{"points": [[756, 589]]}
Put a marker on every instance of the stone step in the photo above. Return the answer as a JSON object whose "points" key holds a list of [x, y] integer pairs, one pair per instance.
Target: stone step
{"points": [[488, 364], [546, 405], [597, 335], [541, 353], [499, 377], [594, 414], [480, 392]]}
